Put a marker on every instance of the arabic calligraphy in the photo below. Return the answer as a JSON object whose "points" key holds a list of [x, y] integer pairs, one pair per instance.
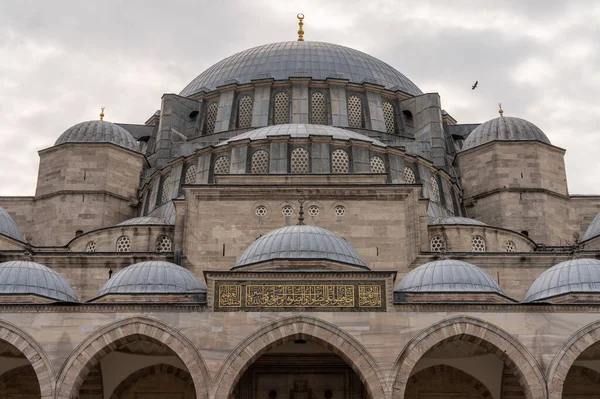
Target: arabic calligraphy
{"points": [[369, 296], [230, 296], [281, 296]]}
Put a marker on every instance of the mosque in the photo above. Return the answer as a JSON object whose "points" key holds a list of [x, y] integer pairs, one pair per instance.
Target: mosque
{"points": [[301, 221]]}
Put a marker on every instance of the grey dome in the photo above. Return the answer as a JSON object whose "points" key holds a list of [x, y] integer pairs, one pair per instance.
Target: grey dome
{"points": [[8, 227], [317, 60], [458, 220], [153, 277], [593, 229], [577, 275], [144, 220], [25, 277], [98, 132], [299, 130], [504, 128], [448, 275], [300, 242]]}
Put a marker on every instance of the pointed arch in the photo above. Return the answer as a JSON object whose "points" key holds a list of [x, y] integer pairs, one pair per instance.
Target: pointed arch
{"points": [[499, 342], [108, 338], [299, 327]]}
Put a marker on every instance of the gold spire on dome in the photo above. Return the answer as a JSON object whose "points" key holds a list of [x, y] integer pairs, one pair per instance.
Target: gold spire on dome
{"points": [[102, 113], [500, 110], [300, 17]]}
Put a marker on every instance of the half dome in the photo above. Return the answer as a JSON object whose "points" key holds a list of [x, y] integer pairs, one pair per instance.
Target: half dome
{"points": [[98, 132], [8, 227], [504, 128], [593, 229], [317, 60], [572, 276], [21, 277], [144, 220], [300, 243], [459, 220]]}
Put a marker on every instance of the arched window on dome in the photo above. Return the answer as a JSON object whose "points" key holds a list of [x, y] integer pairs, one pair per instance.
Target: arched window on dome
{"points": [[190, 174], [510, 246], [163, 191], [244, 111], [340, 161], [318, 108], [438, 244], [211, 118], [409, 176], [299, 161], [164, 244], [355, 111], [221, 167], [377, 164], [260, 163], [389, 117], [478, 244], [281, 108], [123, 244], [91, 246], [435, 190]]}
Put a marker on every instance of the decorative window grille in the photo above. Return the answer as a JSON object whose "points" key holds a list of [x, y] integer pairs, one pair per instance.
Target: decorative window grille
{"points": [[318, 108], [163, 244], [281, 113], [339, 210], [377, 165], [211, 118], [244, 116], [164, 191], [388, 116], [261, 210], [409, 176], [123, 244], [299, 161], [91, 246], [260, 162], [435, 190], [438, 244], [222, 166], [511, 247], [340, 162], [478, 244], [287, 211], [190, 174], [355, 117], [313, 210]]}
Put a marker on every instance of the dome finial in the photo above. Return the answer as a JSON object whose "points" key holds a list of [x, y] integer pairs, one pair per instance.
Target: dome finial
{"points": [[102, 113], [300, 17], [301, 213], [500, 110]]}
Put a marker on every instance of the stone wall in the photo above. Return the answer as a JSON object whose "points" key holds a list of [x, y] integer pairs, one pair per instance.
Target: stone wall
{"points": [[459, 238]]}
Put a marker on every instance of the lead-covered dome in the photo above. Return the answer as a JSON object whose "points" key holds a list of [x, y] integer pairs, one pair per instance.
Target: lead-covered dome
{"points": [[144, 221], [98, 132], [593, 229], [572, 276], [300, 243], [457, 220], [23, 277], [8, 227], [504, 128], [448, 275], [317, 60]]}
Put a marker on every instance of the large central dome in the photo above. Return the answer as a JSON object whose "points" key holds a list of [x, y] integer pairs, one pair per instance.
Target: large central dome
{"points": [[317, 60]]}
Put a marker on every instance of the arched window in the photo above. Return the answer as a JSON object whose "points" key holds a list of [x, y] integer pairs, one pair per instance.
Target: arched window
{"points": [[91, 246], [408, 118], [299, 161], [388, 116], [438, 244], [355, 114], [377, 164], [222, 166], [244, 114], [164, 189], [123, 244], [190, 174], [409, 176], [318, 108], [511, 247], [478, 244], [211, 118], [164, 244], [435, 190], [281, 108], [340, 162], [260, 163]]}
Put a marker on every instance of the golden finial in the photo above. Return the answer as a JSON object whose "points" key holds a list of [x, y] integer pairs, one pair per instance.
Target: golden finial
{"points": [[300, 17], [102, 113], [500, 110]]}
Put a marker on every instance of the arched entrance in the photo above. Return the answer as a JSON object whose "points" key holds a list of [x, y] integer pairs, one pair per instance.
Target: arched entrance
{"points": [[447, 379], [164, 379]]}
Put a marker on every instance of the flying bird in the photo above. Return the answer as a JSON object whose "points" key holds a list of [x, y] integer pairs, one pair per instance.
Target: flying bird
{"points": [[475, 85]]}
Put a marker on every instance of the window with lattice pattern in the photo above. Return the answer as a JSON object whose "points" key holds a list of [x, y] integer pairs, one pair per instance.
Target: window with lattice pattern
{"points": [[261, 210], [260, 163], [355, 116], [299, 161], [281, 111], [287, 211], [164, 193], [313, 210], [438, 244], [222, 166], [478, 244], [435, 190], [164, 244], [190, 174], [388, 117], [340, 162], [123, 244], [244, 116], [339, 210], [91, 246], [511, 247], [377, 165], [409, 176], [318, 108], [211, 118]]}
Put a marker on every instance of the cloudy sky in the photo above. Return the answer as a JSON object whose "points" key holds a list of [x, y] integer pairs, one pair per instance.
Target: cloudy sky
{"points": [[61, 60]]}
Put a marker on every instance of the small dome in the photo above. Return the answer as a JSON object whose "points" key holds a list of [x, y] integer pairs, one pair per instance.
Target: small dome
{"points": [[98, 132], [593, 229], [300, 242], [504, 128], [458, 220], [25, 277], [153, 277], [448, 275], [577, 275], [299, 130], [145, 220], [8, 227]]}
